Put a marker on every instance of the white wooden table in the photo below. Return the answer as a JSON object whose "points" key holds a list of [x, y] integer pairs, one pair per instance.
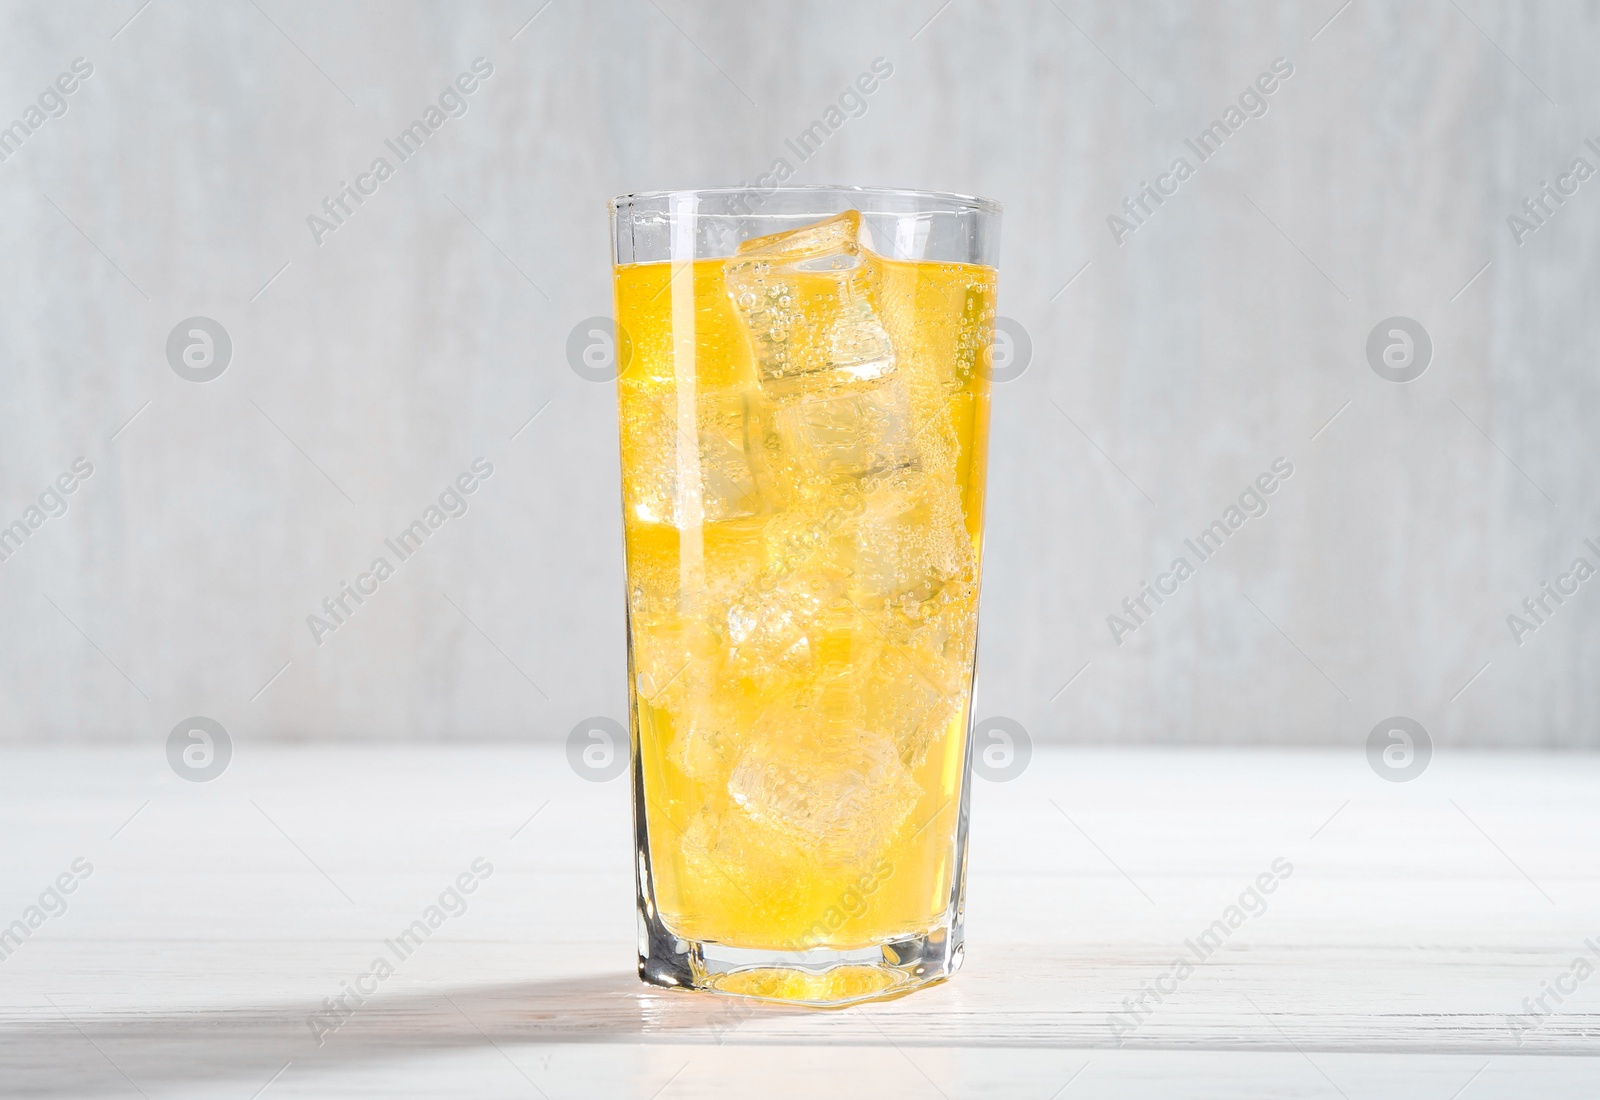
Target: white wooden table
{"points": [[218, 917]]}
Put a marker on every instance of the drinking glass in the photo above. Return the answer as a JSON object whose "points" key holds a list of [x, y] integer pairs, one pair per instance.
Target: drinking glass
{"points": [[803, 397]]}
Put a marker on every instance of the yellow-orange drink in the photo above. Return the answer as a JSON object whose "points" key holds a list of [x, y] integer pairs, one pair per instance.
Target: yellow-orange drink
{"points": [[804, 429]]}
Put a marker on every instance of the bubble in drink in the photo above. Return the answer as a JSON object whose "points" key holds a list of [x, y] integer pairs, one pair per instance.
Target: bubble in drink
{"points": [[853, 432], [700, 460], [836, 792], [807, 300]]}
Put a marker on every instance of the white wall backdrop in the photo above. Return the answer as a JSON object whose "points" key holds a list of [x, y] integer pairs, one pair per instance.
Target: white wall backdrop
{"points": [[1169, 370]]}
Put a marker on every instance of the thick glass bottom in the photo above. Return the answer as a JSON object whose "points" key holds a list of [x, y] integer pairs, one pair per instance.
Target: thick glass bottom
{"points": [[819, 977]]}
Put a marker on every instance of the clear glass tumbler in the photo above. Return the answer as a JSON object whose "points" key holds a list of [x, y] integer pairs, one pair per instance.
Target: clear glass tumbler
{"points": [[804, 408]]}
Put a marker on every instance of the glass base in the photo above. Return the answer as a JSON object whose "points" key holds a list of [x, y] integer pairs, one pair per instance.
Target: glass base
{"points": [[820, 977]]}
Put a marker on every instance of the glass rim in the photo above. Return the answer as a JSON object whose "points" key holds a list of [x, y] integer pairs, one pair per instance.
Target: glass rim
{"points": [[955, 198]]}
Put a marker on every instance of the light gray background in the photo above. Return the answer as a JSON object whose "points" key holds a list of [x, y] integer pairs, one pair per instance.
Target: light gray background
{"points": [[425, 332]]}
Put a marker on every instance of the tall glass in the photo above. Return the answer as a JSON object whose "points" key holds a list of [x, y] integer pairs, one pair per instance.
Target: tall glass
{"points": [[804, 411]]}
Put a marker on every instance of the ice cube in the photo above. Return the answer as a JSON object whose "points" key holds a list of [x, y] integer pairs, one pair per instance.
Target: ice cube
{"points": [[806, 297], [859, 431], [739, 867], [836, 792], [905, 703], [666, 655], [709, 727], [909, 551], [722, 449], [772, 624]]}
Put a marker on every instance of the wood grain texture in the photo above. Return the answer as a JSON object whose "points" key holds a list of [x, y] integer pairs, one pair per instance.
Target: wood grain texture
{"points": [[1415, 921]]}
